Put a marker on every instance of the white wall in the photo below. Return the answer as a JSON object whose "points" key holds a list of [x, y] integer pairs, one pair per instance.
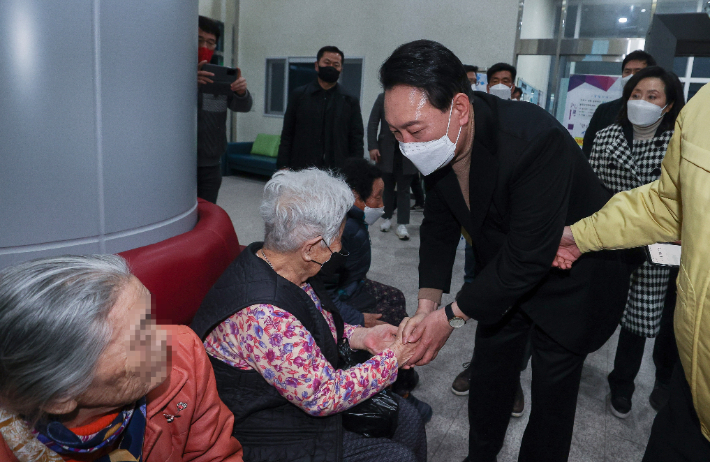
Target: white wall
{"points": [[538, 19], [225, 11], [535, 70], [538, 23], [480, 32]]}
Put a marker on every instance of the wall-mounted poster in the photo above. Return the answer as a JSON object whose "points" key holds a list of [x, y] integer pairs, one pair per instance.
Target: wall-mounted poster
{"points": [[481, 81], [584, 94]]}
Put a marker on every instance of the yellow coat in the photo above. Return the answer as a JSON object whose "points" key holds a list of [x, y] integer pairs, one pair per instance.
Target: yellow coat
{"points": [[676, 206]]}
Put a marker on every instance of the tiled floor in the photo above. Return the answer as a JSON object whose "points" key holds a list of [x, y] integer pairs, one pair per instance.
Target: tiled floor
{"points": [[598, 435]]}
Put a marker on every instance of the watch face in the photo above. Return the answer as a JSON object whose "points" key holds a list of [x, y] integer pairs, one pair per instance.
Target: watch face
{"points": [[457, 322]]}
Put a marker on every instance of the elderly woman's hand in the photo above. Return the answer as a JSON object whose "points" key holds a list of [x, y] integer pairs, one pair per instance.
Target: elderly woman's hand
{"points": [[403, 351], [373, 339]]}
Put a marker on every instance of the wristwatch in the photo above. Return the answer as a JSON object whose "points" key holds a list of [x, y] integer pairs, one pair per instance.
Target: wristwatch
{"points": [[454, 321]]}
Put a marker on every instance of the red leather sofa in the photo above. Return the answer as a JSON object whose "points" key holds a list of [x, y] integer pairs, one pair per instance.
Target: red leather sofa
{"points": [[181, 270]]}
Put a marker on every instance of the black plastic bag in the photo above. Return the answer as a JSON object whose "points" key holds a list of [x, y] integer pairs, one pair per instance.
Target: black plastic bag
{"points": [[375, 417]]}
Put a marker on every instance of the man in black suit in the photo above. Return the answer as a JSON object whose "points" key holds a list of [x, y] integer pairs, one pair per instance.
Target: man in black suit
{"points": [[606, 113], [322, 124], [510, 175]]}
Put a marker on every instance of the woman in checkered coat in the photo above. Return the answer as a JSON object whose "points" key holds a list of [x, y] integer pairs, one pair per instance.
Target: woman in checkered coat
{"points": [[626, 155]]}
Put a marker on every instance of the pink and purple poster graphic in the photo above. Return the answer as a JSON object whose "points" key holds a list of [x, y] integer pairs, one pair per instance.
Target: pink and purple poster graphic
{"points": [[584, 94]]}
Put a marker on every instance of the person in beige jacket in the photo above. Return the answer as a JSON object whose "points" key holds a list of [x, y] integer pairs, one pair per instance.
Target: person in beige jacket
{"points": [[675, 207]]}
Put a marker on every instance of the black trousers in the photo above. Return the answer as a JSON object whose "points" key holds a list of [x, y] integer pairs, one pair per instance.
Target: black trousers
{"points": [[526, 357], [403, 182], [495, 374], [407, 445], [676, 434], [417, 190], [665, 350], [209, 180], [469, 263], [629, 351], [627, 362]]}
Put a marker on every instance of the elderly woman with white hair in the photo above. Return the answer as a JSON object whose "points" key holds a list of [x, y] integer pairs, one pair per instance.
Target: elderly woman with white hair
{"points": [[272, 335], [85, 375]]}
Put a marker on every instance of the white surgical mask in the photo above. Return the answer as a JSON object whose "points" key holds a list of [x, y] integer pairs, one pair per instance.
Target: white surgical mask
{"points": [[473, 86], [372, 215], [430, 156], [625, 80], [501, 91], [642, 113]]}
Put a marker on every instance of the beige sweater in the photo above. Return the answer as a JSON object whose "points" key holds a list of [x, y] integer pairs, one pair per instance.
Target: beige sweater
{"points": [[462, 169]]}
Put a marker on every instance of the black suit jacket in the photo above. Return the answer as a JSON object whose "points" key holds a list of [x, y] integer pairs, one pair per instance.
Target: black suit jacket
{"points": [[302, 143], [528, 179], [604, 115]]}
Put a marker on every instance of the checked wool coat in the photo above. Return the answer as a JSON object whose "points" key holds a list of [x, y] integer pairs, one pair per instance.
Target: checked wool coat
{"points": [[622, 164]]}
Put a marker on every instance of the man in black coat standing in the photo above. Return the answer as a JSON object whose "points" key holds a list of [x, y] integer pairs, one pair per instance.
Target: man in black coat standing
{"points": [[322, 125], [508, 174]]}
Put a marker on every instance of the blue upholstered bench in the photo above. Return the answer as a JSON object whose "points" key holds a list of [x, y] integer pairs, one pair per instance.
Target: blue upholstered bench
{"points": [[258, 157]]}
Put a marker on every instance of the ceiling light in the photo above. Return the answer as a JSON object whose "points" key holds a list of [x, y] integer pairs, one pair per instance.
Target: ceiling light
{"points": [[622, 20], [643, 10]]}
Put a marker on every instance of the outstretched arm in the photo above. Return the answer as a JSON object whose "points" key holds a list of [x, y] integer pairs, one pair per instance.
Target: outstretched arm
{"points": [[568, 252], [645, 215]]}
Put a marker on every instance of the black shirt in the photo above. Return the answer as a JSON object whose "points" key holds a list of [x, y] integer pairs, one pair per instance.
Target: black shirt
{"points": [[322, 128], [326, 100]]}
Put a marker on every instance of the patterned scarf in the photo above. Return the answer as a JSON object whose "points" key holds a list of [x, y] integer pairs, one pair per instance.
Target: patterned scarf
{"points": [[128, 426]]}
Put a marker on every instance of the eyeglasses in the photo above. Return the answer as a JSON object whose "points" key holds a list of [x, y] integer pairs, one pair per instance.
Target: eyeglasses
{"points": [[209, 43], [342, 252]]}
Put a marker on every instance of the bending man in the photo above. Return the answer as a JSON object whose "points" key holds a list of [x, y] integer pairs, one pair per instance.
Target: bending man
{"points": [[507, 173]]}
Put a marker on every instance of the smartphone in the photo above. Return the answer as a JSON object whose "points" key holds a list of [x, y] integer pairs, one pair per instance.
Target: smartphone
{"points": [[666, 254], [222, 79]]}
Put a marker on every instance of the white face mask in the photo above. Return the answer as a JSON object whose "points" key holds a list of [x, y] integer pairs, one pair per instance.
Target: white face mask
{"points": [[372, 215], [473, 86], [430, 156], [642, 113], [501, 91], [625, 80]]}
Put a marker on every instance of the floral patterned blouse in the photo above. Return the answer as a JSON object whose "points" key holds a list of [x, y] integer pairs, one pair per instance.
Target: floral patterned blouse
{"points": [[273, 342]]}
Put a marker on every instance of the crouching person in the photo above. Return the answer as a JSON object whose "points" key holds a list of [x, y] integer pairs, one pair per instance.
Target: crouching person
{"points": [[85, 375]]}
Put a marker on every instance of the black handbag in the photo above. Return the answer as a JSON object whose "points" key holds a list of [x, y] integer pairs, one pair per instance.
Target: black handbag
{"points": [[375, 417]]}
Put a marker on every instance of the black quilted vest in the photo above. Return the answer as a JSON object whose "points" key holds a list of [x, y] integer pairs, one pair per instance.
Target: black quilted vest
{"points": [[268, 426]]}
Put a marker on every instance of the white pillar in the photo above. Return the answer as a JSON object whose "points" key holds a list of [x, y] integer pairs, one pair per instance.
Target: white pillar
{"points": [[97, 125]]}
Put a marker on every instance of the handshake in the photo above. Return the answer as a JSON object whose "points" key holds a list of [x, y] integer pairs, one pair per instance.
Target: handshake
{"points": [[415, 342], [418, 339]]}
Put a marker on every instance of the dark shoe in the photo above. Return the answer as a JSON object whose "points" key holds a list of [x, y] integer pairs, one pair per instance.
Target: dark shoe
{"points": [[407, 380], [423, 408], [417, 208], [462, 382], [519, 405], [619, 406], [659, 396]]}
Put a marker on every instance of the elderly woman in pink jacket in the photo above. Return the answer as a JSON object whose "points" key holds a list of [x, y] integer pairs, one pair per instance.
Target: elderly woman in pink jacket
{"points": [[85, 375]]}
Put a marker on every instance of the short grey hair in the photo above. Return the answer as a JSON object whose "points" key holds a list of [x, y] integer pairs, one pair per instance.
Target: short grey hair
{"points": [[54, 327], [299, 206]]}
